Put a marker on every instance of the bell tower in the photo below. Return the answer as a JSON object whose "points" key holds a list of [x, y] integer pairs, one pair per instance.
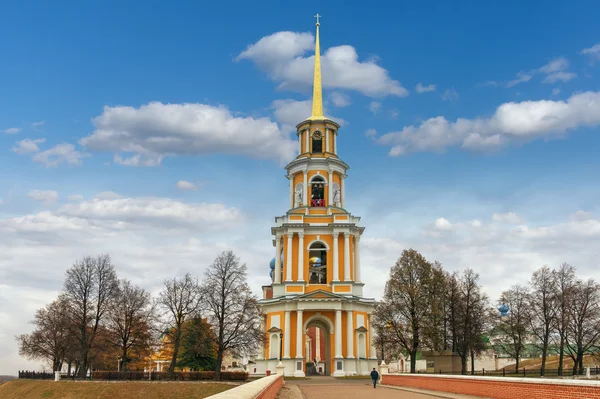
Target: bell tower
{"points": [[316, 273]]}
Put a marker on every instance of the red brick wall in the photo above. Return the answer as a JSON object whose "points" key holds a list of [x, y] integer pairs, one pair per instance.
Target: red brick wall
{"points": [[272, 390], [492, 388]]}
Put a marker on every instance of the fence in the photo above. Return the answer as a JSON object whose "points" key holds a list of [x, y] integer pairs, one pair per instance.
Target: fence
{"points": [[142, 376], [524, 372]]}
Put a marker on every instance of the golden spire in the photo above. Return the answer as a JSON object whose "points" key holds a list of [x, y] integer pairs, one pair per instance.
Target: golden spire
{"points": [[317, 106]]}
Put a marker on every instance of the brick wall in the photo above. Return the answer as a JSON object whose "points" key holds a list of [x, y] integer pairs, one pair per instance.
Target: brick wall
{"points": [[272, 390], [499, 387]]}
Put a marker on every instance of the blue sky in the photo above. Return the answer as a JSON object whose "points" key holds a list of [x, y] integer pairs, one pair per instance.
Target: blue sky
{"points": [[471, 130]]}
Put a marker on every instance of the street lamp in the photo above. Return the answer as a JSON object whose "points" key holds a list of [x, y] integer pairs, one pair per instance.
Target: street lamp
{"points": [[280, 345]]}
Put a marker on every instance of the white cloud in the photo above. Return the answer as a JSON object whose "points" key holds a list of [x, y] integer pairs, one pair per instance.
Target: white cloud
{"points": [[371, 133], [555, 91], [424, 89], [593, 52], [508, 217], [554, 71], [75, 198], [186, 185], [521, 78], [163, 212], [155, 130], [559, 76], [38, 124], [290, 112], [340, 99], [27, 146], [282, 56], [502, 254], [450, 95], [44, 196], [581, 215], [12, 130], [375, 107], [58, 154], [107, 195], [524, 121]]}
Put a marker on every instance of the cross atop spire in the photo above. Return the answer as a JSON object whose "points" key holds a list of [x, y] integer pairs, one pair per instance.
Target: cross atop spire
{"points": [[317, 106]]}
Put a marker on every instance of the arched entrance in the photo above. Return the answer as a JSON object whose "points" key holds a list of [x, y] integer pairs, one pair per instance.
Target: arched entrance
{"points": [[318, 350]]}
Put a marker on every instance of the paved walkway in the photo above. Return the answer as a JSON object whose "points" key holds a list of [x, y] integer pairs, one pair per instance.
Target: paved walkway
{"points": [[327, 388]]}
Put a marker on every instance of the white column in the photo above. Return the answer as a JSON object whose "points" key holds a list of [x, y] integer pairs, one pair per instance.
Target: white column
{"points": [[346, 256], [305, 195], [350, 334], [306, 134], [357, 258], [336, 264], [334, 142], [300, 256], [299, 142], [288, 256], [286, 335], [327, 131], [372, 338], [278, 259], [343, 188], [338, 333], [330, 188], [318, 344], [291, 177], [299, 322]]}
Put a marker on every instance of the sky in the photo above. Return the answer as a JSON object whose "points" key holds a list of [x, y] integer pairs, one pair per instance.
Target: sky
{"points": [[158, 132]]}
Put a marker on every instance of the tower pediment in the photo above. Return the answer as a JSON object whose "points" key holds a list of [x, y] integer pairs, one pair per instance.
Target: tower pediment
{"points": [[320, 294]]}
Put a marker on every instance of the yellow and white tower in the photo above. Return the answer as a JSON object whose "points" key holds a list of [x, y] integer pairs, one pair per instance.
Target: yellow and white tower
{"points": [[316, 279]]}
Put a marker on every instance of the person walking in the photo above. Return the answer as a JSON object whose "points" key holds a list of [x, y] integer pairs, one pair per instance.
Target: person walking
{"points": [[374, 377]]}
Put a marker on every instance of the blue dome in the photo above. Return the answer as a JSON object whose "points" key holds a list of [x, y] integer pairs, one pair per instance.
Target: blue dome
{"points": [[503, 309], [271, 273], [272, 264]]}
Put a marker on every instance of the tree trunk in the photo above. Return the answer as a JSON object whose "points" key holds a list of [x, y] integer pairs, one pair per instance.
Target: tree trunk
{"points": [[472, 363], [175, 354], [124, 359], [83, 366], [544, 355], [561, 355], [517, 361], [218, 366], [463, 363]]}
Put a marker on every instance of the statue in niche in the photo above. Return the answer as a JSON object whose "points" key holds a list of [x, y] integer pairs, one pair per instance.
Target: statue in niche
{"points": [[336, 195], [298, 196]]}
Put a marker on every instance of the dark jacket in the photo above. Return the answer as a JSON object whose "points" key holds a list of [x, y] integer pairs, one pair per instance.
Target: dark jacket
{"points": [[374, 375]]}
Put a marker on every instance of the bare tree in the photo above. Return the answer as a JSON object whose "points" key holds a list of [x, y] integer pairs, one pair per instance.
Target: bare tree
{"points": [[542, 310], [564, 280], [51, 339], [584, 321], [512, 330], [129, 319], [89, 286], [230, 307], [179, 299], [406, 302], [468, 314]]}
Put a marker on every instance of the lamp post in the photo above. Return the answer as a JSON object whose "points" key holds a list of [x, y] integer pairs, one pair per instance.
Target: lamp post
{"points": [[280, 345]]}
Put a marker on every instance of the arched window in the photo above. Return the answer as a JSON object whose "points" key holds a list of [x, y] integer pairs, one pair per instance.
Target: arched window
{"points": [[317, 142], [274, 346], [317, 263], [317, 191], [362, 346]]}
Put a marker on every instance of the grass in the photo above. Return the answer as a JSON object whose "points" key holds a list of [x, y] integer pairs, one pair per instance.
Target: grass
{"points": [[36, 389], [552, 362]]}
